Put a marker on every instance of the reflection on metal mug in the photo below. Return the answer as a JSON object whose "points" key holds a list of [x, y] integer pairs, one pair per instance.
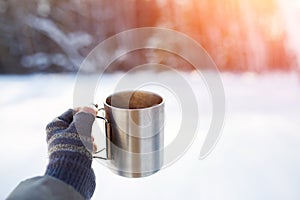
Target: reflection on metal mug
{"points": [[134, 126]]}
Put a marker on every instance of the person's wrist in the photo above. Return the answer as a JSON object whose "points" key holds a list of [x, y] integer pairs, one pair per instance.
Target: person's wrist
{"points": [[73, 169]]}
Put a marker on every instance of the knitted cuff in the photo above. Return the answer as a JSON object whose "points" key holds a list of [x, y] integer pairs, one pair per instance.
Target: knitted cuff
{"points": [[73, 169]]}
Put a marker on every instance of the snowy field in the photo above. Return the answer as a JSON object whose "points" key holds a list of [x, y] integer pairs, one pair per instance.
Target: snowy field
{"points": [[257, 156]]}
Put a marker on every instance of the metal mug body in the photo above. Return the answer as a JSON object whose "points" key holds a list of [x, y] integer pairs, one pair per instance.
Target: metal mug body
{"points": [[136, 133]]}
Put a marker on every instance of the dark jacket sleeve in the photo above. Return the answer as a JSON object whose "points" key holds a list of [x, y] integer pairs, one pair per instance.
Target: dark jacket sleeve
{"points": [[44, 188]]}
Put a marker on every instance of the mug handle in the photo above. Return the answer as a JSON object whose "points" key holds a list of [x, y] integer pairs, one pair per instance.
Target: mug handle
{"points": [[108, 136]]}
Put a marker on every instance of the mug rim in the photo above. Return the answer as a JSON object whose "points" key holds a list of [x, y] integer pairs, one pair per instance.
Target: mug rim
{"points": [[132, 109]]}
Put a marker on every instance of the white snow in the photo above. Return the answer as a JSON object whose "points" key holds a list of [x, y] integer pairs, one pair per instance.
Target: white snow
{"points": [[257, 157]]}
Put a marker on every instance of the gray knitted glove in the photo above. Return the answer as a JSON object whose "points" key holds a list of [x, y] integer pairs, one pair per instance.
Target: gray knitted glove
{"points": [[70, 151]]}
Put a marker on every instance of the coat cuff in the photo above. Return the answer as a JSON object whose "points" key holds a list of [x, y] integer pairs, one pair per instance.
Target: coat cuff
{"points": [[44, 188]]}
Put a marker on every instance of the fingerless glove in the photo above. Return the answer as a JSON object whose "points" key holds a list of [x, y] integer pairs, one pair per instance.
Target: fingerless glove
{"points": [[70, 151]]}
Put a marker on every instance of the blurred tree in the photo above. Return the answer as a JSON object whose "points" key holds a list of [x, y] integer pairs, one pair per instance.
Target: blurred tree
{"points": [[55, 36], [239, 35]]}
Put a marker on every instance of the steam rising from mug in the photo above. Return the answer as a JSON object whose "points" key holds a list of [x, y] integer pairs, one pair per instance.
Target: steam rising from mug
{"points": [[105, 53]]}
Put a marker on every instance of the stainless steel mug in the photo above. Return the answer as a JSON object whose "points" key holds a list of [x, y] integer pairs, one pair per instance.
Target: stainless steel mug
{"points": [[134, 122]]}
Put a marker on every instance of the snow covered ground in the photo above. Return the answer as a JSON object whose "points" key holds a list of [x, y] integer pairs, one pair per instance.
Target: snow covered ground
{"points": [[257, 157]]}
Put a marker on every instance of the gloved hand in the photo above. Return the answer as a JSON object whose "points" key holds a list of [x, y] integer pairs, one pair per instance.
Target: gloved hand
{"points": [[70, 149]]}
